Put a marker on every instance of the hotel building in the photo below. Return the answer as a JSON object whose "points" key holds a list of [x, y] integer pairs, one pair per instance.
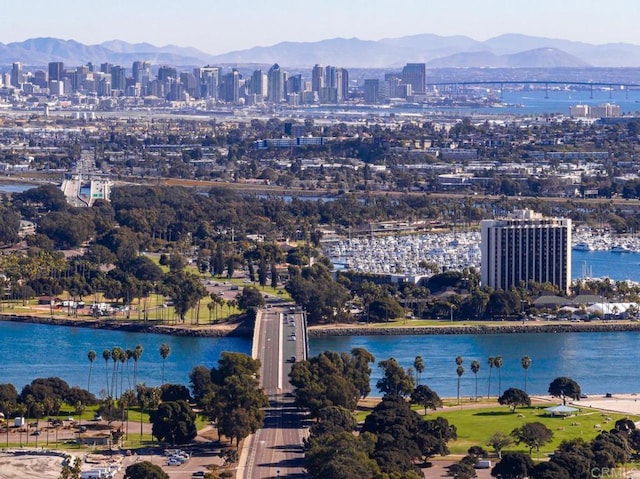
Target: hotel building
{"points": [[526, 247]]}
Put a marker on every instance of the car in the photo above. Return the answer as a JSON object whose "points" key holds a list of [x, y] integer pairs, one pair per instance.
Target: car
{"points": [[97, 417], [37, 432], [198, 474], [292, 338], [583, 396], [292, 359]]}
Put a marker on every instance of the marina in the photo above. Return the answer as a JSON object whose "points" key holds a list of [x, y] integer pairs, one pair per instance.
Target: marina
{"points": [[594, 255]]}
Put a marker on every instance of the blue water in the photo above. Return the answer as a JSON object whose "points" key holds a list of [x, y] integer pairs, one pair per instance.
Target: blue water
{"points": [[29, 351], [597, 264], [15, 187], [599, 362]]}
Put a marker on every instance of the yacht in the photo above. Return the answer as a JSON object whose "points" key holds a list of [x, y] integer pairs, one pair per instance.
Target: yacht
{"points": [[583, 246], [620, 249]]}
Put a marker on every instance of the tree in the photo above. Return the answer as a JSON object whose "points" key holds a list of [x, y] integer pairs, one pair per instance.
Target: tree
{"points": [[497, 362], [498, 441], [71, 471], [165, 350], [563, 388], [395, 380], [174, 422], [463, 469], [513, 465], [475, 367], [526, 364], [106, 355], [185, 290], [92, 357], [549, 470], [514, 397], [145, 470], [533, 434], [418, 365], [459, 372], [490, 363], [341, 456], [426, 397]]}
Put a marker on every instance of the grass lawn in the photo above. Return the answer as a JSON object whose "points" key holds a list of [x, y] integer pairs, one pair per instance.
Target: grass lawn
{"points": [[476, 425]]}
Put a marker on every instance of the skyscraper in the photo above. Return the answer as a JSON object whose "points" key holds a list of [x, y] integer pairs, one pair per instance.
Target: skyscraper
{"points": [[16, 74], [317, 78], [526, 247], [371, 91], [257, 86], [56, 71], [275, 84], [415, 74], [209, 81]]}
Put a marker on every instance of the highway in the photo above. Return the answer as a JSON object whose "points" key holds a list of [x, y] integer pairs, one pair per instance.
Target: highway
{"points": [[276, 449]]}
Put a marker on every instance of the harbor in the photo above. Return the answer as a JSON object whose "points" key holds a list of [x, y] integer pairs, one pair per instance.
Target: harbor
{"points": [[595, 254]]}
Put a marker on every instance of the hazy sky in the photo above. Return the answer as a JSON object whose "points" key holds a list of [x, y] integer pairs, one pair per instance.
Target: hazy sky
{"points": [[220, 26]]}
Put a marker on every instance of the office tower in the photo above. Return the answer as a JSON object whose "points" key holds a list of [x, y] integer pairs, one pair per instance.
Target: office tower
{"points": [[415, 74], [106, 67], [230, 87], [371, 91], [16, 74], [209, 81], [56, 71], [317, 78], [526, 247], [40, 78], [257, 84], [275, 84], [189, 84], [343, 84], [294, 84], [118, 78], [165, 73]]}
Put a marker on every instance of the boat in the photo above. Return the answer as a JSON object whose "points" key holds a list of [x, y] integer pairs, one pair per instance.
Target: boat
{"points": [[583, 246], [619, 248]]}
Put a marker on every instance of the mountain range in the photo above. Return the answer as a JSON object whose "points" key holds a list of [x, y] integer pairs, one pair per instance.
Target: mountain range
{"points": [[505, 51]]}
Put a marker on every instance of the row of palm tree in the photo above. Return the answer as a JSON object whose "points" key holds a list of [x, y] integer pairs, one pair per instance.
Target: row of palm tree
{"points": [[118, 356], [492, 361]]}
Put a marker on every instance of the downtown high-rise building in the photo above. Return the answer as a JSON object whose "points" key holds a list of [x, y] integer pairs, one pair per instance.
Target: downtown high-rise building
{"points": [[16, 74], [526, 247], [415, 74], [56, 71], [275, 84]]}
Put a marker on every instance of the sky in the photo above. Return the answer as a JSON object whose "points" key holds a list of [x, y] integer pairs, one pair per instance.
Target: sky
{"points": [[222, 26]]}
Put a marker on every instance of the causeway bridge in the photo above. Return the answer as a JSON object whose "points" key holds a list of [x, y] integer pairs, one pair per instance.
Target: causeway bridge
{"points": [[279, 339]]}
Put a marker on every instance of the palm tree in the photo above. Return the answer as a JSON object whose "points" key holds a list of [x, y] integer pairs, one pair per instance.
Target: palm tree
{"points": [[475, 367], [418, 365], [92, 357], [490, 363], [165, 350], [106, 355], [115, 357], [526, 363], [497, 362], [459, 372], [137, 353]]}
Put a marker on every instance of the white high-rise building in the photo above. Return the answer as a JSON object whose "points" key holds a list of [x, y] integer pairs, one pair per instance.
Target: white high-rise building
{"points": [[526, 247]]}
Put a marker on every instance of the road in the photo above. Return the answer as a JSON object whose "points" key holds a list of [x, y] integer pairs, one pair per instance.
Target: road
{"points": [[276, 449]]}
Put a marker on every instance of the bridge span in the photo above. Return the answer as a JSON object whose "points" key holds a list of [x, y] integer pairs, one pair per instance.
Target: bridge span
{"points": [[280, 338]]}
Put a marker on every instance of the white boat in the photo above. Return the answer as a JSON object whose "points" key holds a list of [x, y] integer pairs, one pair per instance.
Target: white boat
{"points": [[620, 248], [583, 246]]}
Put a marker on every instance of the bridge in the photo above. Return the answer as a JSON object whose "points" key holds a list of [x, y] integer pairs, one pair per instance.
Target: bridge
{"points": [[455, 87], [279, 339]]}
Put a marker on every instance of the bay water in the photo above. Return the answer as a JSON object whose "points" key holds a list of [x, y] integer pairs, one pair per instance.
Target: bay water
{"points": [[600, 362]]}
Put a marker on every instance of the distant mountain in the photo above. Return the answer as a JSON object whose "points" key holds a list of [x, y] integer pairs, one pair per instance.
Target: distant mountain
{"points": [[508, 51], [537, 58], [41, 51]]}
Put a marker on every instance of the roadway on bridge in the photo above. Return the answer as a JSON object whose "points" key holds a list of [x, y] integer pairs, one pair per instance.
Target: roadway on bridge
{"points": [[276, 449]]}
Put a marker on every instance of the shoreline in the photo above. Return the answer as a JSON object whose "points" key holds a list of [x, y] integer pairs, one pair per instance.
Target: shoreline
{"points": [[501, 328], [319, 331], [213, 331]]}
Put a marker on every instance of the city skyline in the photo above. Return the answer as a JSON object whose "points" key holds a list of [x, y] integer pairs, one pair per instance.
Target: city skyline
{"points": [[216, 29]]}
